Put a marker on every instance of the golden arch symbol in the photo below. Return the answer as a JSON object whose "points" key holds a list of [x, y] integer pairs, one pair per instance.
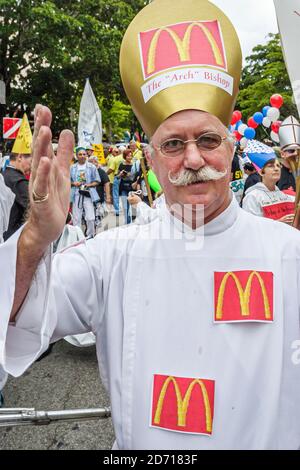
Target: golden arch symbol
{"points": [[244, 295], [183, 45], [183, 403]]}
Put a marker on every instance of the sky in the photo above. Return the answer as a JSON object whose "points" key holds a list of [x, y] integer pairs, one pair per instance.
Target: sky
{"points": [[253, 20]]}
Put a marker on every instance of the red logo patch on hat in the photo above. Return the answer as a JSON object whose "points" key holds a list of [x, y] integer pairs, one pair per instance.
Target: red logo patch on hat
{"points": [[182, 44], [183, 404]]}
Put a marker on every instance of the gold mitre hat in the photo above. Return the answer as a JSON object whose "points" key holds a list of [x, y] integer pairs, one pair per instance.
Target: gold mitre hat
{"points": [[180, 54]]}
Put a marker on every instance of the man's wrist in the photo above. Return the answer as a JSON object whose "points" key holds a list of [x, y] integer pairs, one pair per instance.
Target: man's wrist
{"points": [[30, 243]]}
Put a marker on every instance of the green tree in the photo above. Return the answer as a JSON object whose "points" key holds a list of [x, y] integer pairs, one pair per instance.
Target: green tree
{"points": [[264, 75], [49, 47]]}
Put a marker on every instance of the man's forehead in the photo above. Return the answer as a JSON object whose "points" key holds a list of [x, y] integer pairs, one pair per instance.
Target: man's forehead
{"points": [[186, 118]]}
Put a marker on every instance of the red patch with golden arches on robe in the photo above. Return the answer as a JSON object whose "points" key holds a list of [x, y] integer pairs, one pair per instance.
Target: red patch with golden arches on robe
{"points": [[183, 404], [243, 296]]}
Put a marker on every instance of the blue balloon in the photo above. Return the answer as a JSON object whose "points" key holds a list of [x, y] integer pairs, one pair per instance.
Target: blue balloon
{"points": [[249, 133], [238, 125], [265, 110], [258, 118]]}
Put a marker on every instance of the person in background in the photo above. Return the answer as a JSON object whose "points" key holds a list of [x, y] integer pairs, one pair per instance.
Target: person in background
{"points": [[136, 151], [15, 179], [6, 155], [84, 180], [252, 177], [287, 180], [126, 179], [89, 150], [112, 172], [237, 180], [266, 193], [103, 190], [289, 137]]}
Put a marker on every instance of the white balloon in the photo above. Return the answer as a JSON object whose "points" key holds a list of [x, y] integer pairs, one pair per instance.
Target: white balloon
{"points": [[273, 114], [275, 137], [266, 121], [242, 128], [243, 142]]}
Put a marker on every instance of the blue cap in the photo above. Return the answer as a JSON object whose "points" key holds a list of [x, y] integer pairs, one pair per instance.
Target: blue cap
{"points": [[259, 154]]}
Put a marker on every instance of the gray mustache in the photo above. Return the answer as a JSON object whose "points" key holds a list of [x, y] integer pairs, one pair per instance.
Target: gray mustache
{"points": [[186, 177]]}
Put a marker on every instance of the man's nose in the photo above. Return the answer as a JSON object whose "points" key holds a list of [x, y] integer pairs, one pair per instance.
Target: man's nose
{"points": [[193, 157]]}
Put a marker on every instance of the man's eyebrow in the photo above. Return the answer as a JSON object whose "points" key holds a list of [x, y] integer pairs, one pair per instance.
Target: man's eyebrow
{"points": [[177, 135]]}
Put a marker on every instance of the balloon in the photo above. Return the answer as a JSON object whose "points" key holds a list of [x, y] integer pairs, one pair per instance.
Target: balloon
{"points": [[238, 125], [153, 182], [266, 121], [249, 133], [242, 128], [273, 114], [275, 126], [243, 142], [276, 101], [236, 116], [275, 137], [265, 110], [238, 136], [252, 123], [258, 117]]}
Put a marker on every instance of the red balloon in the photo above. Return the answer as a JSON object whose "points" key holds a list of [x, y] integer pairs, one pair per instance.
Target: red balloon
{"points": [[238, 114], [235, 117], [275, 126], [234, 120], [238, 136], [276, 101], [252, 123]]}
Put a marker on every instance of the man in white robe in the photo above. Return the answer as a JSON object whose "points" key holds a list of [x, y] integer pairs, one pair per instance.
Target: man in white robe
{"points": [[197, 338]]}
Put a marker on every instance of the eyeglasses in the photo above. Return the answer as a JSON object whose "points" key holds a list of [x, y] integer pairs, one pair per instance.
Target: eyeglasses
{"points": [[207, 141]]}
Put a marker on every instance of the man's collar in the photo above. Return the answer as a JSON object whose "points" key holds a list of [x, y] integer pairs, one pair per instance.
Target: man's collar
{"points": [[216, 226]]}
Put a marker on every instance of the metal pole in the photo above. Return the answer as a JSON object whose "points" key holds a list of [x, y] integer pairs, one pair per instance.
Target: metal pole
{"points": [[24, 416]]}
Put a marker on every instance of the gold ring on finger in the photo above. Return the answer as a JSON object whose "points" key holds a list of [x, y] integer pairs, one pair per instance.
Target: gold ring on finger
{"points": [[37, 198]]}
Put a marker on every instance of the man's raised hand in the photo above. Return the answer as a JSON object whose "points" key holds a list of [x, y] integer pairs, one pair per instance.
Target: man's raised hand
{"points": [[50, 180]]}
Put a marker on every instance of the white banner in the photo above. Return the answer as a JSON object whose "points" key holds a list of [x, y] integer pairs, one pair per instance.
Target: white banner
{"points": [[288, 17], [90, 119]]}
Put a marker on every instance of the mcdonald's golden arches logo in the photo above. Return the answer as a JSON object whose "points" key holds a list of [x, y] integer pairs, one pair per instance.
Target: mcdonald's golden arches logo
{"points": [[197, 43], [243, 296], [183, 404]]}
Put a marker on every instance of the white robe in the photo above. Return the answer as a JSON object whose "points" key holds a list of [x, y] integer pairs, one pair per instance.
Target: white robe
{"points": [[150, 304], [7, 198]]}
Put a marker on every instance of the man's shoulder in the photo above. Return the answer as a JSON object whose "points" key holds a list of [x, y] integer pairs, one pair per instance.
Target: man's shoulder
{"points": [[271, 231]]}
